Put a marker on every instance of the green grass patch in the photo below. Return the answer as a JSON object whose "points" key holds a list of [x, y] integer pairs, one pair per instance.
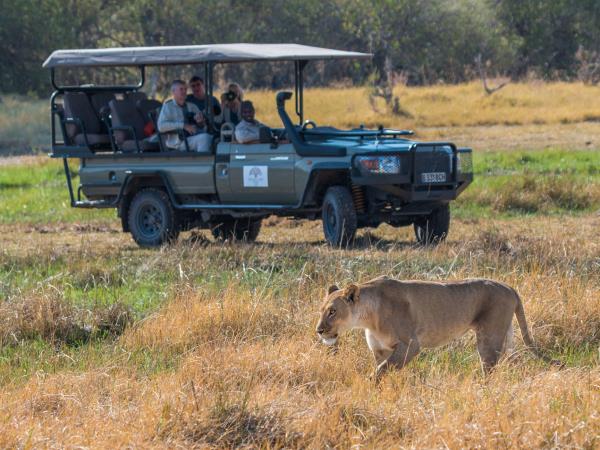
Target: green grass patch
{"points": [[541, 182], [24, 125], [506, 184], [37, 194]]}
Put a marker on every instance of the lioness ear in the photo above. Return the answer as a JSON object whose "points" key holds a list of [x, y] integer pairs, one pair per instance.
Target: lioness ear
{"points": [[332, 289], [352, 292]]}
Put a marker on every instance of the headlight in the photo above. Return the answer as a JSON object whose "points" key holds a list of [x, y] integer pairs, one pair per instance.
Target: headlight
{"points": [[387, 165], [464, 162]]}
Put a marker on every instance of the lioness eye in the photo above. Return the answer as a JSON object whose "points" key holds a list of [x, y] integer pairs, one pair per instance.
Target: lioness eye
{"points": [[331, 312]]}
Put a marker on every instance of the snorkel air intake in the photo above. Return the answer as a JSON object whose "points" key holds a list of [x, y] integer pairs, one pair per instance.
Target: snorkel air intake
{"points": [[294, 135]]}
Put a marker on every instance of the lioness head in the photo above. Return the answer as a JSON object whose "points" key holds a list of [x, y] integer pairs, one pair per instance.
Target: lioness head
{"points": [[337, 313]]}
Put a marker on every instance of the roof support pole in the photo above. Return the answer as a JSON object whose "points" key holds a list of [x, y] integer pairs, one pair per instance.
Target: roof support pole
{"points": [[208, 86], [142, 80], [53, 79], [299, 89]]}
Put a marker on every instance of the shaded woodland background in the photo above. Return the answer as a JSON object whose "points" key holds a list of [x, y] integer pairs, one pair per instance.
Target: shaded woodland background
{"points": [[420, 41]]}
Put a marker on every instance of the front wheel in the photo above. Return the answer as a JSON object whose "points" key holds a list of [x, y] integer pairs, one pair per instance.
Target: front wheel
{"points": [[152, 220], [339, 216], [433, 229], [246, 230]]}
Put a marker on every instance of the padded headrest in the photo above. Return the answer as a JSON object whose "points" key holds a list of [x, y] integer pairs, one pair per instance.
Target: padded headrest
{"points": [[124, 112], [136, 96], [227, 130], [100, 100], [146, 106], [78, 106]]}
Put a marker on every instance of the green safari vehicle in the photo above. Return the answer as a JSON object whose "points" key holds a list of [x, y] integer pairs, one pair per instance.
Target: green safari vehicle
{"points": [[347, 178]]}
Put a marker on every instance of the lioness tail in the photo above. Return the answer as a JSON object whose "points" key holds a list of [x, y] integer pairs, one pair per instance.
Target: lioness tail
{"points": [[520, 313]]}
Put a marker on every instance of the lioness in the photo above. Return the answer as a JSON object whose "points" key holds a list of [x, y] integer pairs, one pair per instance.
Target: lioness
{"points": [[402, 317]]}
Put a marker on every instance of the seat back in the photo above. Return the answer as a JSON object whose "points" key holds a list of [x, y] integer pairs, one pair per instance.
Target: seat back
{"points": [[124, 113], [227, 132], [101, 100], [135, 96], [78, 106], [148, 107]]}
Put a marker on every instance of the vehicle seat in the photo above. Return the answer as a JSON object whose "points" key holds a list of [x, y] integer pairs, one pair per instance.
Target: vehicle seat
{"points": [[227, 132], [100, 101], [148, 108], [78, 107], [135, 96], [125, 114]]}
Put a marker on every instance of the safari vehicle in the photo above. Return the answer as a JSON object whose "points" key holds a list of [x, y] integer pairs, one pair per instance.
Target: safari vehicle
{"points": [[348, 178]]}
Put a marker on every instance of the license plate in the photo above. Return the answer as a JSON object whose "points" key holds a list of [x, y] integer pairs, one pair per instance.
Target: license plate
{"points": [[433, 177]]}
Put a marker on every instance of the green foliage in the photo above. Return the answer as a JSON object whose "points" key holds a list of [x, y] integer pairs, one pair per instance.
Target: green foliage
{"points": [[425, 40]]}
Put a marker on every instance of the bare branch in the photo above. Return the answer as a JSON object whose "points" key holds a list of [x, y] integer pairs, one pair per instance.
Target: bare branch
{"points": [[482, 75]]}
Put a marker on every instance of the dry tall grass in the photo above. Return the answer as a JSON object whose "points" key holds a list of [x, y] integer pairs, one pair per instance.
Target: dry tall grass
{"points": [[47, 316], [527, 115], [245, 369], [463, 105]]}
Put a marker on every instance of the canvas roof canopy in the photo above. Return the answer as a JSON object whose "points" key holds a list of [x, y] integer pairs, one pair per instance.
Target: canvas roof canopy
{"points": [[193, 54]]}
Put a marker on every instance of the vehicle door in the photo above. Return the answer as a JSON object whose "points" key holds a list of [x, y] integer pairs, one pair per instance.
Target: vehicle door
{"points": [[261, 174]]}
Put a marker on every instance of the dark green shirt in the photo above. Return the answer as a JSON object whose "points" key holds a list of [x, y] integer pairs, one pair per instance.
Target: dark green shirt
{"points": [[201, 104]]}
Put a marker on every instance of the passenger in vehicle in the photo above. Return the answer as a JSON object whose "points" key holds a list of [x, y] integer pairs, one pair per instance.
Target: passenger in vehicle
{"points": [[231, 102], [198, 97], [248, 130], [179, 117]]}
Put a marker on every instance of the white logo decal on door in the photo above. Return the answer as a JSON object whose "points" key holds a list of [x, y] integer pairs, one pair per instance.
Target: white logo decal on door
{"points": [[256, 176]]}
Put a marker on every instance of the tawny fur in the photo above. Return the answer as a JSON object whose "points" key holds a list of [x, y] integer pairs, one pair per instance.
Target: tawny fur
{"points": [[402, 317]]}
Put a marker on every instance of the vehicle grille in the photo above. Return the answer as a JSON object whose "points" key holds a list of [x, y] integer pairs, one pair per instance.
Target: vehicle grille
{"points": [[433, 159]]}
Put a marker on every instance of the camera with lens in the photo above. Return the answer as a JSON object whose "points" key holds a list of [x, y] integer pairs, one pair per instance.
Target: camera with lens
{"points": [[190, 118], [230, 96]]}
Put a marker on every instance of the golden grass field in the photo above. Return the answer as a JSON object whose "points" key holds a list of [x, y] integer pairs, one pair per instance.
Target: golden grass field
{"points": [[521, 116], [210, 345], [236, 362]]}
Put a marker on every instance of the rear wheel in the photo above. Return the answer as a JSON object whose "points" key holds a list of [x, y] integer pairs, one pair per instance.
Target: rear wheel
{"points": [[339, 216], [151, 218], [433, 229], [237, 230]]}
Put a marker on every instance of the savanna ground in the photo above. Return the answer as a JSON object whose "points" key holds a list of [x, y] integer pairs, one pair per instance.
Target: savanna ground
{"points": [[203, 344]]}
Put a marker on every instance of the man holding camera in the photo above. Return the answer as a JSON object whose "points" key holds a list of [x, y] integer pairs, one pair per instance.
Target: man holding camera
{"points": [[199, 98], [182, 121]]}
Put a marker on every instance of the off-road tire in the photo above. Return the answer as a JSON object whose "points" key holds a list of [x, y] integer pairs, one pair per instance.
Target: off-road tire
{"points": [[151, 218], [245, 230], [339, 216], [433, 229]]}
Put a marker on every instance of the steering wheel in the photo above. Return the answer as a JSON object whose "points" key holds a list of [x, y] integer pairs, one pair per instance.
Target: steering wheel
{"points": [[307, 123]]}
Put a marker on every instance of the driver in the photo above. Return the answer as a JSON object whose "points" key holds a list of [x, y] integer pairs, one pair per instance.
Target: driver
{"points": [[247, 131]]}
